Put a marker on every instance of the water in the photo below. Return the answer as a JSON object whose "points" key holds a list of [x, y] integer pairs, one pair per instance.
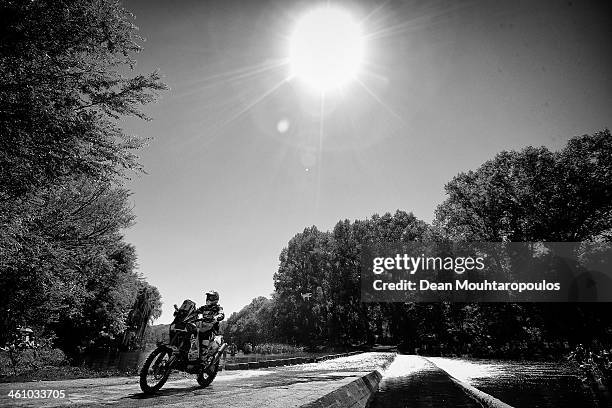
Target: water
{"points": [[411, 381], [417, 382], [523, 384], [246, 358], [131, 361]]}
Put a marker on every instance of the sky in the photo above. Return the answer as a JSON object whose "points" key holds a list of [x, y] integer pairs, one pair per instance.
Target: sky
{"points": [[242, 159]]}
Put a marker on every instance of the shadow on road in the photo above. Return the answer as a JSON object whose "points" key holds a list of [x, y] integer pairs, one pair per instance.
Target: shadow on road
{"points": [[164, 392]]}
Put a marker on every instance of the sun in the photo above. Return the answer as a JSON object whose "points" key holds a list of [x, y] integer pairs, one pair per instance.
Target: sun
{"points": [[326, 49]]}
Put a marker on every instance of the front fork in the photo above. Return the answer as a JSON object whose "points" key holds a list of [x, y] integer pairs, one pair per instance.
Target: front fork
{"points": [[219, 354], [171, 359], [216, 358], [170, 364]]}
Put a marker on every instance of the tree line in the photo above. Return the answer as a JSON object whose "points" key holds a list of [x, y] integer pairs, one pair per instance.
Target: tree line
{"points": [[67, 81], [530, 195]]}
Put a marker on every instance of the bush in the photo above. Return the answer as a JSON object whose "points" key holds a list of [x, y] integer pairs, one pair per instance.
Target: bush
{"points": [[274, 348], [596, 364], [17, 362]]}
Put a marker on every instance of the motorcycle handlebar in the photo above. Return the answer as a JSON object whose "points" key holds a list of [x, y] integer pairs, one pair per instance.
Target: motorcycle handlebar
{"points": [[201, 319]]}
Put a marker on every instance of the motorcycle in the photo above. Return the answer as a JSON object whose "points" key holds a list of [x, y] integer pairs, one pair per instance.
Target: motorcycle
{"points": [[186, 351]]}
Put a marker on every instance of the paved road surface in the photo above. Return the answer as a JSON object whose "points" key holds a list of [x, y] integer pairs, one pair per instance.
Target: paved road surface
{"points": [[281, 387]]}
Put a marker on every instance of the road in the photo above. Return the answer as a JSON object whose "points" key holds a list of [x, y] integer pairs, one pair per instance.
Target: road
{"points": [[280, 387]]}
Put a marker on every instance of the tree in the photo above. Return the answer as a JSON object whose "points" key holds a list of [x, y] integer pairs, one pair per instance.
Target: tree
{"points": [[534, 195], [146, 309], [253, 323], [67, 78], [68, 269], [537, 195], [531, 195], [63, 85], [327, 266], [304, 267]]}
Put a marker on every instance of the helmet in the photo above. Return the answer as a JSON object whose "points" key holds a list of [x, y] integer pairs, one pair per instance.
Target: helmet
{"points": [[212, 297]]}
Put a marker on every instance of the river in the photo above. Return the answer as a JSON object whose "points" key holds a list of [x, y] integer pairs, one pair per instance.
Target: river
{"points": [[413, 381]]}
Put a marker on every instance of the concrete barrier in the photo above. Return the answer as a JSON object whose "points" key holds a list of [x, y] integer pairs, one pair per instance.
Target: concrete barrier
{"points": [[243, 366], [230, 367], [355, 394], [486, 400], [253, 365]]}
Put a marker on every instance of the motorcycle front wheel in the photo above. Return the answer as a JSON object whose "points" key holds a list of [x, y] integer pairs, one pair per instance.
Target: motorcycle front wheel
{"points": [[155, 371], [206, 377]]}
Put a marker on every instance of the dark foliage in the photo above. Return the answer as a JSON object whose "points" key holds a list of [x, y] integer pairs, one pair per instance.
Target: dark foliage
{"points": [[67, 77], [531, 195]]}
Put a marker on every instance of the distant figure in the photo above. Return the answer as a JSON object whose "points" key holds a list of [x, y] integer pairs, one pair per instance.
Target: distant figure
{"points": [[306, 296]]}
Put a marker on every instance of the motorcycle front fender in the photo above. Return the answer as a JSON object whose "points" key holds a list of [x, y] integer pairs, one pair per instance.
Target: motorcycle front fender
{"points": [[168, 348]]}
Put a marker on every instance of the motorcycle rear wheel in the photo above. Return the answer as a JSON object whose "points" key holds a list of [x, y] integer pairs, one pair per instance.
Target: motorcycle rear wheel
{"points": [[206, 377], [155, 370]]}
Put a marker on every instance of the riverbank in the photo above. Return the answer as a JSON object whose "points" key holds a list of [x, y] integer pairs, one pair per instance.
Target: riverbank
{"points": [[67, 372]]}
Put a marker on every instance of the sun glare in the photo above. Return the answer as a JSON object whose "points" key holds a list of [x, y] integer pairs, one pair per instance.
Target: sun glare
{"points": [[326, 49]]}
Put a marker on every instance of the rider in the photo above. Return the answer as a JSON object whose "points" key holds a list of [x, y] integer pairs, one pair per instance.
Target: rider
{"points": [[212, 310]]}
